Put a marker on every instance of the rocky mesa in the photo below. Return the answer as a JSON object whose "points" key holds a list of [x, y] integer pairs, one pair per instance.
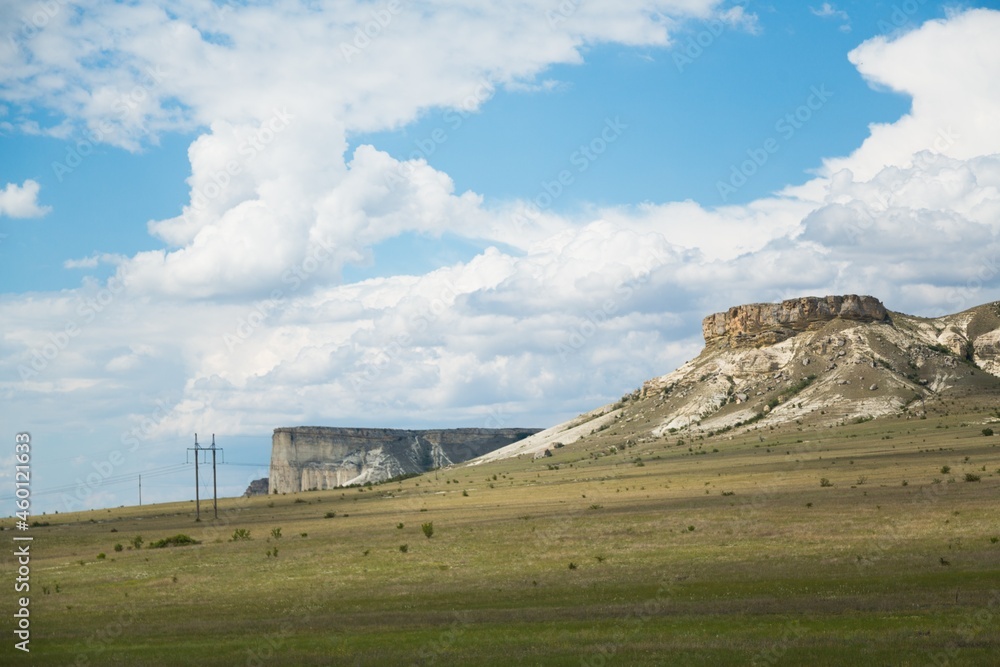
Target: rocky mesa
{"points": [[819, 361], [320, 457], [758, 324]]}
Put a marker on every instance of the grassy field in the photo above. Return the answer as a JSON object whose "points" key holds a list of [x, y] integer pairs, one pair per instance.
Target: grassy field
{"points": [[728, 550]]}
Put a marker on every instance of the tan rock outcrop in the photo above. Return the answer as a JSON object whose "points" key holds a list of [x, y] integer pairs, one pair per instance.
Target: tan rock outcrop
{"points": [[759, 324]]}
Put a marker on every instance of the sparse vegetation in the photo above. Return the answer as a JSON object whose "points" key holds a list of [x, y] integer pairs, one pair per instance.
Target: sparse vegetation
{"points": [[178, 540], [241, 534], [759, 561], [428, 529]]}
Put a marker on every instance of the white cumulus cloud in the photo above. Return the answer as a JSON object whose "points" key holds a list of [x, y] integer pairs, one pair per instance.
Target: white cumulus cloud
{"points": [[21, 201]]}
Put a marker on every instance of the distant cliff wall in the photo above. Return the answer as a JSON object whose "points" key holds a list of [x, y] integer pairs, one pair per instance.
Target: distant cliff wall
{"points": [[320, 457], [759, 324]]}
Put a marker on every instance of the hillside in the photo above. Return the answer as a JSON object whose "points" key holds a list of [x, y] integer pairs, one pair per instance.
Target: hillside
{"points": [[815, 360]]}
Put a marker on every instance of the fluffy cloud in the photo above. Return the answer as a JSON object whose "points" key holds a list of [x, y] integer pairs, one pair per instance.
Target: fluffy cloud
{"points": [[279, 89], [21, 201], [949, 69]]}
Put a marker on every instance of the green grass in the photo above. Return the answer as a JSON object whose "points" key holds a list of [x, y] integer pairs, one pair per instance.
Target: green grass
{"points": [[780, 572]]}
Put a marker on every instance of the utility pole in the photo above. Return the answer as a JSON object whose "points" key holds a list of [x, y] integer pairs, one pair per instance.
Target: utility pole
{"points": [[197, 498], [140, 490], [215, 498]]}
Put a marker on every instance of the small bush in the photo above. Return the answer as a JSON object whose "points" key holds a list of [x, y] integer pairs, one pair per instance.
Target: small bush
{"points": [[428, 529], [329, 515], [971, 477], [300, 500], [403, 548], [691, 529], [276, 533], [987, 432], [178, 540], [137, 541], [945, 470], [399, 526], [241, 534], [101, 556], [119, 547], [825, 482], [465, 493], [572, 566]]}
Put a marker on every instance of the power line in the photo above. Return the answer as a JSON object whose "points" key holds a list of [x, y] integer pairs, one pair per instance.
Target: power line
{"points": [[112, 480]]}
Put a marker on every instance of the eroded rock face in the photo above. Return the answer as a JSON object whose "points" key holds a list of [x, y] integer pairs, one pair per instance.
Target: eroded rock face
{"points": [[320, 457], [759, 324], [258, 487], [987, 346]]}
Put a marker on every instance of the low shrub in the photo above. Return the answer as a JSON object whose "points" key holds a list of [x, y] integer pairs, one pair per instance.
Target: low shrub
{"points": [[178, 540]]}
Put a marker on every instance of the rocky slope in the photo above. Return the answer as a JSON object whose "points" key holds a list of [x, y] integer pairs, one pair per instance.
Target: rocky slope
{"points": [[824, 360], [318, 457]]}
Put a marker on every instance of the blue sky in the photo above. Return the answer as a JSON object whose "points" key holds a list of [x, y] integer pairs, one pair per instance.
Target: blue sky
{"points": [[376, 251], [689, 119]]}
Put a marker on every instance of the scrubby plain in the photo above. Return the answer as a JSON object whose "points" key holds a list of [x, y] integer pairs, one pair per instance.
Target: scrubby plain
{"points": [[873, 543]]}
